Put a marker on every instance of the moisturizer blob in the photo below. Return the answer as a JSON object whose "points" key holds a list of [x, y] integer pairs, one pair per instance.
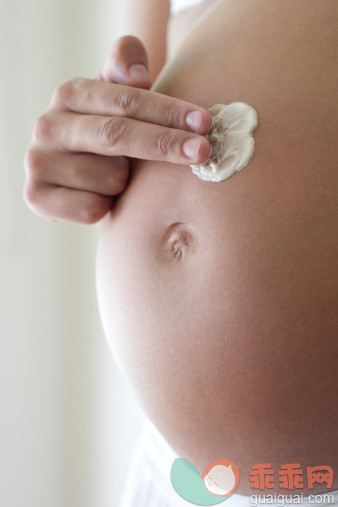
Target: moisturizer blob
{"points": [[230, 137]]}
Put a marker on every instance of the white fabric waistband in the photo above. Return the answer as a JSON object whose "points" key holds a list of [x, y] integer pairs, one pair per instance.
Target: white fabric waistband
{"points": [[179, 5]]}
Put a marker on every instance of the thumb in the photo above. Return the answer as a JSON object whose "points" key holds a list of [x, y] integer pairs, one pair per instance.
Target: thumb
{"points": [[127, 63]]}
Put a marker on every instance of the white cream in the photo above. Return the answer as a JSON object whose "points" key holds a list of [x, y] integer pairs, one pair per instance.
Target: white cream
{"points": [[232, 144]]}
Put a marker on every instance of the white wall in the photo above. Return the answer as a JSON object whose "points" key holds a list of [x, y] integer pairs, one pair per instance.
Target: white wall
{"points": [[67, 421]]}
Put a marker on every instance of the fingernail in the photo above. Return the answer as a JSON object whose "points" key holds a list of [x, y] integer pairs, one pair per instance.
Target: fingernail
{"points": [[194, 120], [139, 72], [191, 148]]}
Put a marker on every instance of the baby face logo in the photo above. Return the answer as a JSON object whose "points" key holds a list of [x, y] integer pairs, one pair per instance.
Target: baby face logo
{"points": [[218, 482], [221, 477]]}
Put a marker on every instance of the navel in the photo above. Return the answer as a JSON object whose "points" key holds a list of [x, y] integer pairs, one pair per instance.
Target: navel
{"points": [[179, 242]]}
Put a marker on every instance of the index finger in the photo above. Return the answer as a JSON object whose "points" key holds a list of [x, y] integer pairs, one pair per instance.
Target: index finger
{"points": [[89, 96]]}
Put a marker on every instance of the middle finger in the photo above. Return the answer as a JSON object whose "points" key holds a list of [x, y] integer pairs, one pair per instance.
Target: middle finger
{"points": [[117, 135]]}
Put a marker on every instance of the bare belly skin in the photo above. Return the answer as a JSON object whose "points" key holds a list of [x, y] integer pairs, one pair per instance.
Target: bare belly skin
{"points": [[220, 300]]}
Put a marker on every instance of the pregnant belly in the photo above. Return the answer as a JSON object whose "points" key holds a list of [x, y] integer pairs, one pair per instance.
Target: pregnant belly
{"points": [[219, 301]]}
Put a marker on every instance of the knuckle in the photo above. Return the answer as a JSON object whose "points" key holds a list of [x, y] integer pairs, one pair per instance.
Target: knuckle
{"points": [[42, 129], [33, 163], [31, 194], [173, 116], [112, 131], [128, 103], [164, 143], [63, 94], [93, 211]]}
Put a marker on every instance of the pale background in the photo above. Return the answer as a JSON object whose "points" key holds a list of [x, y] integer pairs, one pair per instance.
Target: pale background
{"points": [[68, 422]]}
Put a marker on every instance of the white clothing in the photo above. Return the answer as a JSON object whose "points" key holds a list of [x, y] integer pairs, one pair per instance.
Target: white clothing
{"points": [[148, 479], [179, 5]]}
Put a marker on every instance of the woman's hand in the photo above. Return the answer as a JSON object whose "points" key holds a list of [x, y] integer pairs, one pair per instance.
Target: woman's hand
{"points": [[76, 162]]}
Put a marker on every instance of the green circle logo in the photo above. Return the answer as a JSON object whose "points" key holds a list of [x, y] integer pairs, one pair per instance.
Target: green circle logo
{"points": [[217, 483]]}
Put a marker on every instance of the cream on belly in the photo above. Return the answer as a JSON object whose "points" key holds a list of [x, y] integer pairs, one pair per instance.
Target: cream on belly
{"points": [[232, 144]]}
